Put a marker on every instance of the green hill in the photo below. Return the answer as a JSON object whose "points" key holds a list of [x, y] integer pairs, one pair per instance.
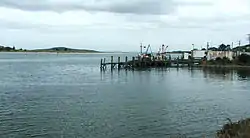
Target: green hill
{"points": [[54, 49], [64, 50]]}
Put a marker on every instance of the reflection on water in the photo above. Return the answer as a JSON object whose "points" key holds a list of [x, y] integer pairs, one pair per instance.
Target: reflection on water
{"points": [[215, 73], [244, 73], [226, 73]]}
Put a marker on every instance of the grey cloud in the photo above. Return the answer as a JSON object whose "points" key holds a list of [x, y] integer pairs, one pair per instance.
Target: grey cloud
{"points": [[14, 25], [116, 6]]}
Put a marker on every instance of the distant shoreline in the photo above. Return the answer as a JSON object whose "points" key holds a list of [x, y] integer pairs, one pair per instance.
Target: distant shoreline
{"points": [[49, 50], [31, 51]]}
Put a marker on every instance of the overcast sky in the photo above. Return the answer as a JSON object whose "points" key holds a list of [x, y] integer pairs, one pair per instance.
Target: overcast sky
{"points": [[123, 24]]}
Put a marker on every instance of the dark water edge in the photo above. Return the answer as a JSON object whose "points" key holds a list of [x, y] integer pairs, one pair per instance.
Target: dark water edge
{"points": [[66, 95]]}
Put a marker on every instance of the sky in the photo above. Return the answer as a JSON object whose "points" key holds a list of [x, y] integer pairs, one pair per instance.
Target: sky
{"points": [[121, 25]]}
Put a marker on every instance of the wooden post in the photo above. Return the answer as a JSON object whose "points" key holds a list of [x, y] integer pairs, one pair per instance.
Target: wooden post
{"points": [[133, 59], [192, 62], [101, 67], [178, 62], [153, 63], [119, 60], [141, 61], [112, 60], [126, 62], [104, 63]]}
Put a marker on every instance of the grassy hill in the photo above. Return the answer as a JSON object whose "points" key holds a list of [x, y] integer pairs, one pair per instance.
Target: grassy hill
{"points": [[64, 50], [54, 49]]}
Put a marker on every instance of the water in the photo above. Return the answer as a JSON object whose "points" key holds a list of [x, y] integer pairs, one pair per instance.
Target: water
{"points": [[66, 95]]}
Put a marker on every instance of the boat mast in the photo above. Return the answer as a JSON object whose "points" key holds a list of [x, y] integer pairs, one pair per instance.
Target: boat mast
{"points": [[162, 48], [141, 48]]}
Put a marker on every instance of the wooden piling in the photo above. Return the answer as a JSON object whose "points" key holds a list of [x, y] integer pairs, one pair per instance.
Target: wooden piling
{"points": [[126, 63], [112, 60], [178, 62], [119, 63], [104, 63], [101, 66], [153, 64], [133, 60]]}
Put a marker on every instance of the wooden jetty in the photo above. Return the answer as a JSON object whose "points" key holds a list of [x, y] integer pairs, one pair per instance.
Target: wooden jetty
{"points": [[150, 62]]}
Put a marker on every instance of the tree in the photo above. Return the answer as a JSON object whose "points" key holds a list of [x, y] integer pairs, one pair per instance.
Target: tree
{"points": [[1, 48], [203, 49], [213, 49], [224, 47], [14, 48], [8, 48]]}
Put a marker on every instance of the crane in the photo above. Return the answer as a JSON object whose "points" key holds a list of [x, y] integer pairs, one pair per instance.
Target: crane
{"points": [[162, 49]]}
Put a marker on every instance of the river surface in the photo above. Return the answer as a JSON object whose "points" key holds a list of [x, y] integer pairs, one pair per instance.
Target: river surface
{"points": [[66, 96]]}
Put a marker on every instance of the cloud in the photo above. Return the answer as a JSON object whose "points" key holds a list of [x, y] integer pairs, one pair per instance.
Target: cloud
{"points": [[122, 21], [135, 14], [115, 6]]}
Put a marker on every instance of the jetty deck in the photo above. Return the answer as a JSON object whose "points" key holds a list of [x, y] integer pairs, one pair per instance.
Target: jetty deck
{"points": [[147, 63]]}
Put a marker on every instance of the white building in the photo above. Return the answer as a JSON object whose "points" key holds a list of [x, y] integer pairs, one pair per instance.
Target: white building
{"points": [[198, 54], [212, 55]]}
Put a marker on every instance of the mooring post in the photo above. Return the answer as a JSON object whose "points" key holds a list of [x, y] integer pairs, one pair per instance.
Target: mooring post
{"points": [[112, 59], [126, 62], [178, 62], [153, 63], [104, 63], [192, 62], [101, 66], [119, 60], [141, 61], [133, 59]]}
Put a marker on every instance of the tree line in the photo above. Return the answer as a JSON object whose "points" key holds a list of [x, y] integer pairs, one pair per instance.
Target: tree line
{"points": [[10, 49]]}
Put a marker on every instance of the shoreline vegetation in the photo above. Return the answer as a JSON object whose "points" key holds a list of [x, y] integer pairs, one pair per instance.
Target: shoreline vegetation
{"points": [[239, 129], [241, 61], [49, 50]]}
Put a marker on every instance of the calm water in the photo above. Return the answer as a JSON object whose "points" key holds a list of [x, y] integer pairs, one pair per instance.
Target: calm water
{"points": [[66, 96]]}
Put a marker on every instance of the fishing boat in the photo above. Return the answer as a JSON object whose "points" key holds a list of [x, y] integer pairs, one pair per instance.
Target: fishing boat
{"points": [[162, 52], [148, 54]]}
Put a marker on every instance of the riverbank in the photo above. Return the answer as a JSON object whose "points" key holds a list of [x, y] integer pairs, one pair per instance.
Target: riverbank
{"points": [[240, 129]]}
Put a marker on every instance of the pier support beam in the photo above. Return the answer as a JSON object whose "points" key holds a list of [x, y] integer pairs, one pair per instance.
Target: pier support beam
{"points": [[126, 62], [112, 63], [101, 66], [133, 60], [119, 63]]}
